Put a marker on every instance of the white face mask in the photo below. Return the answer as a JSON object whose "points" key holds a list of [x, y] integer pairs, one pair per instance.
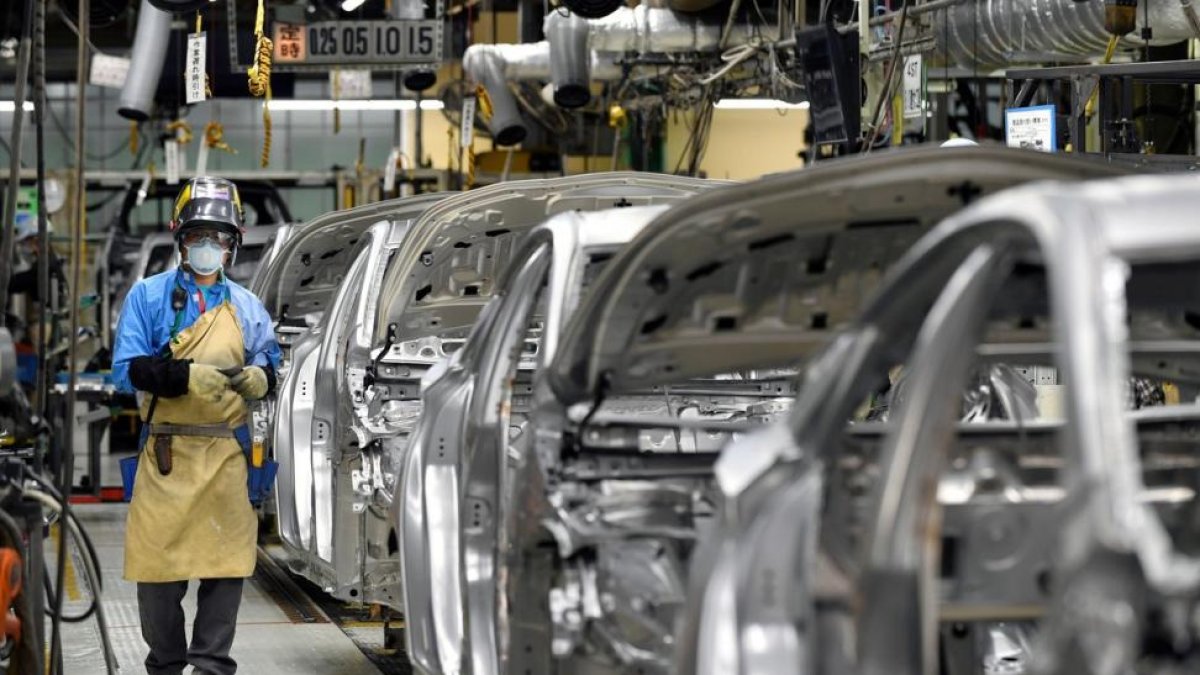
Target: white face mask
{"points": [[206, 258]]}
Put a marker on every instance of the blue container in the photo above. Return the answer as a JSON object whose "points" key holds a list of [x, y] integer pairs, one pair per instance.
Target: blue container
{"points": [[129, 467]]}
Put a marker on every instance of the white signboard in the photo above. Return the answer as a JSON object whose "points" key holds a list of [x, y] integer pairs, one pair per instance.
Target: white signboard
{"points": [[195, 68], [467, 131], [108, 71], [389, 171], [350, 83], [1031, 128], [914, 87], [171, 152]]}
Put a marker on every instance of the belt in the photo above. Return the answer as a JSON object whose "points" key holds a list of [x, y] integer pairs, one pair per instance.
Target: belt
{"points": [[209, 430]]}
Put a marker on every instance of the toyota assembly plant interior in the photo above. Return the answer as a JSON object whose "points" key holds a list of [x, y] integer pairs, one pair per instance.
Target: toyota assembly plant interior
{"points": [[600, 337]]}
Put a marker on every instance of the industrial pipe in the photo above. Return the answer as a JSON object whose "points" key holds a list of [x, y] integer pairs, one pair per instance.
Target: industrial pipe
{"points": [[487, 68], [1005, 32], [645, 29], [145, 63], [569, 59]]}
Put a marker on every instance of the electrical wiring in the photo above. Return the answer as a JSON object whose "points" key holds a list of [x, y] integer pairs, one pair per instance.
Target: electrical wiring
{"points": [[889, 81], [733, 57], [91, 570]]}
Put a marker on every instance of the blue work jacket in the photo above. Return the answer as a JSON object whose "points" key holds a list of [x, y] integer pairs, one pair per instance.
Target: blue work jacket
{"points": [[147, 319]]}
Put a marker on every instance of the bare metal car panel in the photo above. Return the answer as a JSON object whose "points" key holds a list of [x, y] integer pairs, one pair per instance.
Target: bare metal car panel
{"points": [[1106, 283], [782, 261], [753, 276], [306, 271], [320, 519], [456, 257], [446, 529], [350, 401]]}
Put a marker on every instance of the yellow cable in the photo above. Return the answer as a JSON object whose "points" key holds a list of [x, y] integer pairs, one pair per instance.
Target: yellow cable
{"points": [[337, 94], [1111, 49], [484, 102], [260, 79], [483, 108], [214, 137], [182, 131]]}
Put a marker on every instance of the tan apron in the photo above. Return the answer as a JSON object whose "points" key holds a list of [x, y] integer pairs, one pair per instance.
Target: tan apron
{"points": [[196, 522]]}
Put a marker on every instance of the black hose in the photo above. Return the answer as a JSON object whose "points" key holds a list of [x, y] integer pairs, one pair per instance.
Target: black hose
{"points": [[51, 595], [85, 539]]}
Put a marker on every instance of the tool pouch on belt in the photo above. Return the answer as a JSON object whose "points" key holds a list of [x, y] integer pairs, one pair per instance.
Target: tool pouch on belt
{"points": [[162, 454], [260, 471]]}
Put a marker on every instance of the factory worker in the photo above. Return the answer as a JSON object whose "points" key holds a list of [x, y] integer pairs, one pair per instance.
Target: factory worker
{"points": [[197, 348]]}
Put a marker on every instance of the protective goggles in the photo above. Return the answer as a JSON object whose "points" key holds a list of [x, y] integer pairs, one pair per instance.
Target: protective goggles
{"points": [[199, 236]]}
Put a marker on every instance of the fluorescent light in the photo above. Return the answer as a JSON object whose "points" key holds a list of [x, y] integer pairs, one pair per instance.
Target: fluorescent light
{"points": [[351, 5], [759, 104], [320, 105], [11, 106]]}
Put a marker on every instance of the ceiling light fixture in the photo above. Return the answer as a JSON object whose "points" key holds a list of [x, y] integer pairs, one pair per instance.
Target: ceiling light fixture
{"points": [[759, 104], [319, 105], [351, 5], [10, 106]]}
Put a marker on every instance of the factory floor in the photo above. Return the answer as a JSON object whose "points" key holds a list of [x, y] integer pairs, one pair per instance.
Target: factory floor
{"points": [[281, 627]]}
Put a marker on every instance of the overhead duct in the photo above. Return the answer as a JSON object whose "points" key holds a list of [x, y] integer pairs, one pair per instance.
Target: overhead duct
{"points": [[569, 59], [487, 67], [421, 77], [997, 33], [145, 63], [494, 66], [654, 30], [592, 9], [579, 51]]}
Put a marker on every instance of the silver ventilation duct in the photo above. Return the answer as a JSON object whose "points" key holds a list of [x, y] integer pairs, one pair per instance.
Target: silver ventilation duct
{"points": [[419, 78], [145, 63], [488, 67], [996, 33], [569, 59], [579, 51], [645, 29], [494, 65]]}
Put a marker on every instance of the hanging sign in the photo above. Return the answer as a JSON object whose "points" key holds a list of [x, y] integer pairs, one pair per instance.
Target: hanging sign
{"points": [[171, 153], [347, 43], [389, 171], [195, 68], [108, 71], [914, 87], [467, 131], [202, 158], [1031, 128]]}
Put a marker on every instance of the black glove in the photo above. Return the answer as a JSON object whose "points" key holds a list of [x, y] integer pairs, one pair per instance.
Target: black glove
{"points": [[160, 375]]}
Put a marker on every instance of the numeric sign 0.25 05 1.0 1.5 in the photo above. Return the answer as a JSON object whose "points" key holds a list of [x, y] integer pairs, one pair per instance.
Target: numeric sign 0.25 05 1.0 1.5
{"points": [[347, 43]]}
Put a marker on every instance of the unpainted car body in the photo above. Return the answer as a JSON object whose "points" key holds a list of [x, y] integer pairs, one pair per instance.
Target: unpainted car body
{"points": [[464, 425], [1086, 525], [321, 288], [693, 332], [351, 392]]}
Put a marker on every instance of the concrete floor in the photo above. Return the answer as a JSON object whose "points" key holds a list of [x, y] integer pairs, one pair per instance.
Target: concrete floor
{"points": [[267, 641]]}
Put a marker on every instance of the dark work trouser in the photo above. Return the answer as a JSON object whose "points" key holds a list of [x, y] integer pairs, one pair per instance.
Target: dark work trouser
{"points": [[161, 610]]}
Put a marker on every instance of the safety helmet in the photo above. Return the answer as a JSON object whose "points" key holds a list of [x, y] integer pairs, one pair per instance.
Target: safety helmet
{"points": [[208, 202]]}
